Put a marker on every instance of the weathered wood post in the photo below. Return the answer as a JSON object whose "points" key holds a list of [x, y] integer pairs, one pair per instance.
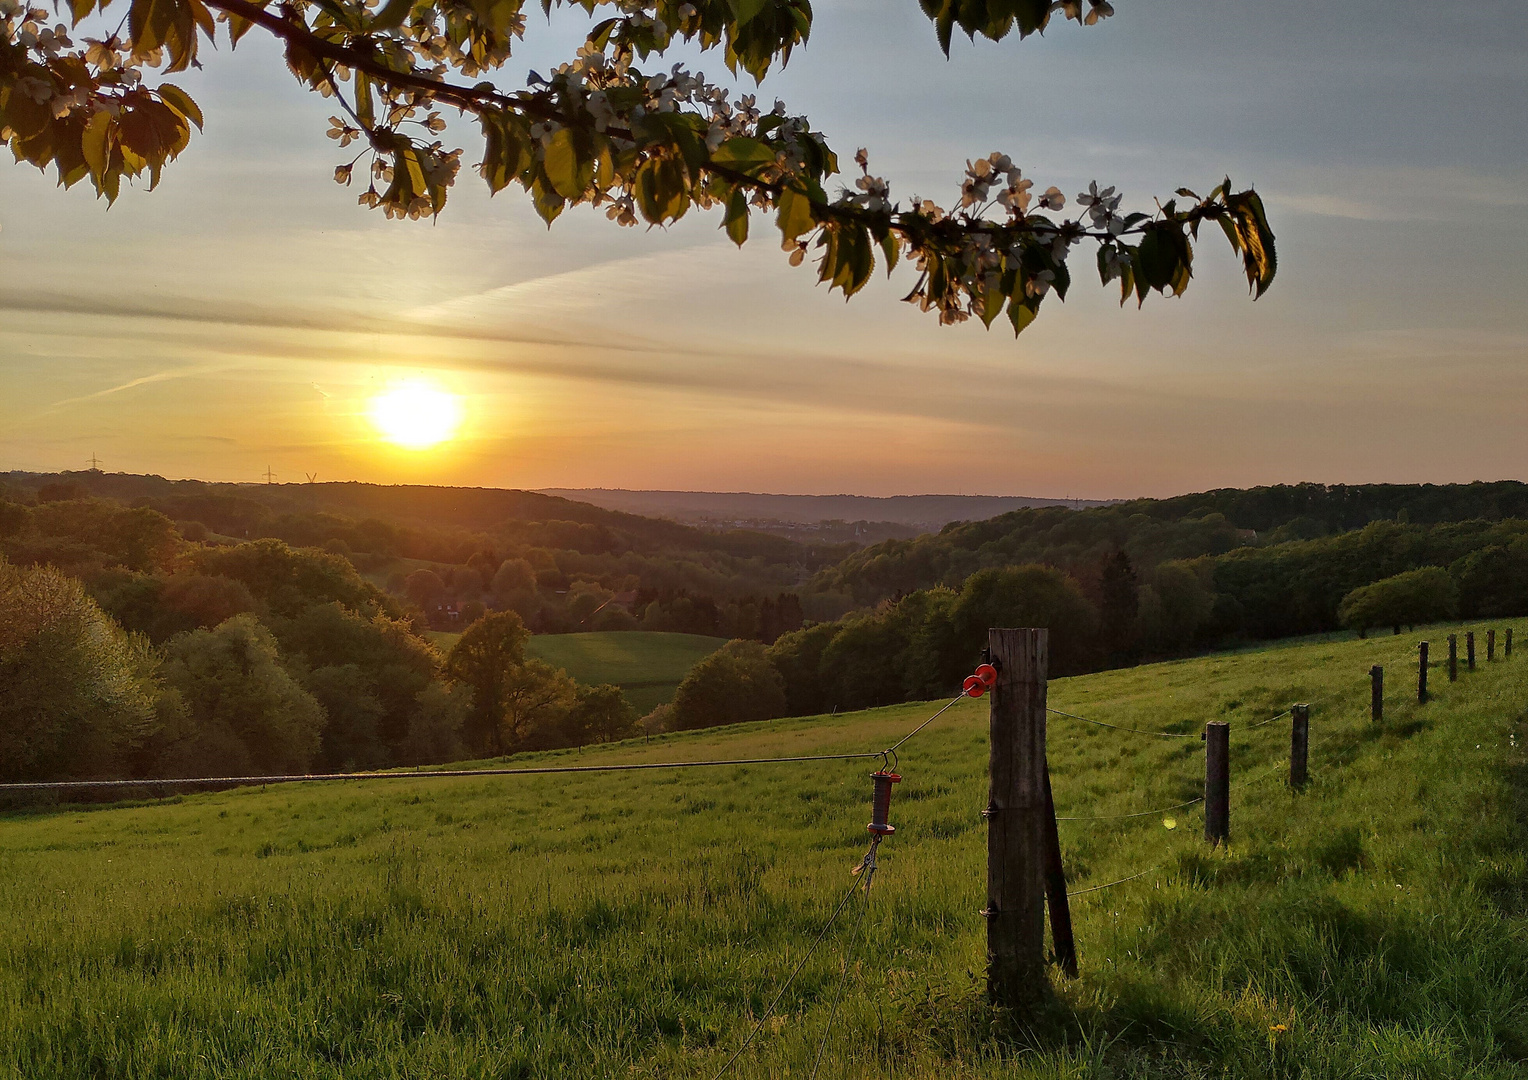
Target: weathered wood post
{"points": [[1063, 944], [1217, 782], [1469, 649], [1016, 820], [1453, 658], [1422, 671], [1299, 744], [1376, 693], [1506, 646], [1490, 644]]}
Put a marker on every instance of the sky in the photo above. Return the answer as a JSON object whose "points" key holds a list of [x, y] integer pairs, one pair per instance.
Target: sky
{"points": [[246, 314]]}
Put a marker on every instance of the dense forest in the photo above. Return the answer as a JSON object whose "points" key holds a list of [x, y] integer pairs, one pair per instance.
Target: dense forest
{"points": [[158, 628], [1152, 531], [130, 646], [452, 554]]}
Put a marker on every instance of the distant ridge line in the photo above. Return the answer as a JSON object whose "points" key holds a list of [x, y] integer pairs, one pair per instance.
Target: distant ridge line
{"points": [[916, 510]]}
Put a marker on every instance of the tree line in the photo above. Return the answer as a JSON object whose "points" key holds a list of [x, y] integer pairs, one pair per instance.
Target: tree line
{"points": [[1109, 613], [1154, 531], [560, 573], [127, 650]]}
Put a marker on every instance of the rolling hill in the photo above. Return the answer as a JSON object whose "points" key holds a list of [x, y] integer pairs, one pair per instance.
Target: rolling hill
{"points": [[639, 925]]}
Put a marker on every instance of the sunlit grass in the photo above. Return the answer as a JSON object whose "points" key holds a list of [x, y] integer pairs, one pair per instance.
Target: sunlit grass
{"points": [[632, 925]]}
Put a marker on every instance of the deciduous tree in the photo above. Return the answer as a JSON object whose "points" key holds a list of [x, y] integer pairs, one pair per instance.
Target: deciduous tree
{"points": [[484, 658], [76, 693], [733, 685], [1424, 595]]}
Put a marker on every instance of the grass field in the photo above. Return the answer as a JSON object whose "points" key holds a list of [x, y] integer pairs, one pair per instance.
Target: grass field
{"points": [[648, 665], [1375, 925]]}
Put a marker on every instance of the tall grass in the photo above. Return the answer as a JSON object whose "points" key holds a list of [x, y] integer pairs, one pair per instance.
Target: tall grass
{"points": [[635, 926]]}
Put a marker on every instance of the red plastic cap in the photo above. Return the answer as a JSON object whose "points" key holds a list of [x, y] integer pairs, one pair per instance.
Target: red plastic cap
{"points": [[974, 687], [988, 675]]}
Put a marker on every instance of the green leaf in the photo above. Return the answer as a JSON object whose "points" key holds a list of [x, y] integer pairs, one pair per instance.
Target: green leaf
{"points": [[547, 202], [891, 250], [1138, 277], [392, 14], [599, 37], [795, 214], [1259, 256], [364, 106], [569, 171], [96, 145], [743, 155], [645, 190], [660, 190], [1156, 261], [745, 11], [1021, 313], [992, 303], [736, 222], [181, 102]]}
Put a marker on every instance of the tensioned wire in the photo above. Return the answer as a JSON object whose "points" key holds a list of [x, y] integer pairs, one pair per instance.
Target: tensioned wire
{"points": [[433, 774], [812, 948]]}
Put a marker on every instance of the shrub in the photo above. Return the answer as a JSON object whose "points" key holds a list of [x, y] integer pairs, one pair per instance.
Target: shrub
{"points": [[1416, 596], [733, 685]]}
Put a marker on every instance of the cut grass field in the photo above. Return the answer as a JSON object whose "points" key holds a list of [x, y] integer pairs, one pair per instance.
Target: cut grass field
{"points": [[633, 925], [648, 665]]}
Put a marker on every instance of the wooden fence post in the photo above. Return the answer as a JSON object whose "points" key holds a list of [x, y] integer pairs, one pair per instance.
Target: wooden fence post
{"points": [[1490, 644], [1299, 744], [1506, 649], [1377, 693], [1469, 649], [1422, 672], [1016, 826], [1217, 782], [1063, 944], [1453, 658]]}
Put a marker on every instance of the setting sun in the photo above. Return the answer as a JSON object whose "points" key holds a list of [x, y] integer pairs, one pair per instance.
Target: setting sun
{"points": [[416, 415]]}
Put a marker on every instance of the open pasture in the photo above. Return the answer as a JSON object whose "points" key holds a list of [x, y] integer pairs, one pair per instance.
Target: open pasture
{"points": [[634, 925], [648, 665]]}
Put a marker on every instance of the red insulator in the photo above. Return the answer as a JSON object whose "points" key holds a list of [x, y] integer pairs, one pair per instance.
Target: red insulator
{"points": [[988, 675], [880, 803], [974, 687]]}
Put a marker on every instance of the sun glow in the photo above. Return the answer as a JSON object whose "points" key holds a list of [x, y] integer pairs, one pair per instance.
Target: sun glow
{"points": [[416, 414]]}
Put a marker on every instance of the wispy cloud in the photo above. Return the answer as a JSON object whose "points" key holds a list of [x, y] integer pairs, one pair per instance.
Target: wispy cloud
{"points": [[145, 380], [1397, 194]]}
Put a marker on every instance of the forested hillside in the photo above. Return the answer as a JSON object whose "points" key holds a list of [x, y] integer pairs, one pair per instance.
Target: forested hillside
{"points": [[156, 627], [1120, 584], [1151, 531], [450, 554], [130, 646]]}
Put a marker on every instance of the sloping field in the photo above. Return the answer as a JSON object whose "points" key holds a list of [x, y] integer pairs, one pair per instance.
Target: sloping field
{"points": [[633, 925], [648, 665]]}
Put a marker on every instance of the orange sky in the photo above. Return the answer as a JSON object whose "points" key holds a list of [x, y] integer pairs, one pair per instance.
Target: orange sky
{"points": [[247, 313]]}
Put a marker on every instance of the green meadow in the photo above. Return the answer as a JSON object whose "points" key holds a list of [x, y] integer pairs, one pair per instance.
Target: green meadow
{"points": [[636, 925], [648, 665]]}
